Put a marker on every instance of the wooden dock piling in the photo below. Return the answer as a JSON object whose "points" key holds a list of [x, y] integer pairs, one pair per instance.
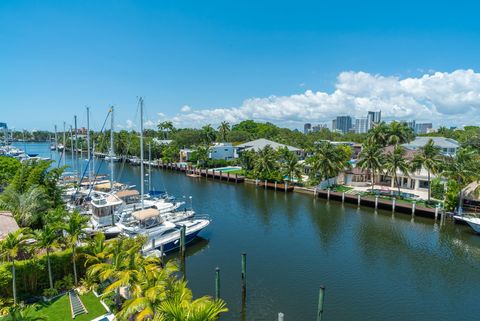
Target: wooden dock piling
{"points": [[321, 297], [217, 283]]}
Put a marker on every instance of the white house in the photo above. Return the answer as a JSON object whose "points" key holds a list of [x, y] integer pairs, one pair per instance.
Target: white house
{"points": [[448, 146], [259, 144], [225, 151]]}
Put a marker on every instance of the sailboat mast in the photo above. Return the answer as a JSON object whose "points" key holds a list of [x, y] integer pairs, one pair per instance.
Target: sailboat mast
{"points": [[76, 135], [111, 149], [56, 140], [88, 147], [149, 167], [64, 144], [142, 175], [71, 143]]}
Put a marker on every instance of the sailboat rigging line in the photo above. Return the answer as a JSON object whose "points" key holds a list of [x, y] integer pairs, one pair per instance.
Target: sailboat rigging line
{"points": [[89, 160], [120, 172]]}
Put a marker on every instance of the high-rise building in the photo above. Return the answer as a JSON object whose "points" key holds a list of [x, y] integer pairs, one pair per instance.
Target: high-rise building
{"points": [[411, 124], [318, 127], [307, 128], [334, 125], [4, 130], [362, 125], [373, 117], [344, 123], [423, 128]]}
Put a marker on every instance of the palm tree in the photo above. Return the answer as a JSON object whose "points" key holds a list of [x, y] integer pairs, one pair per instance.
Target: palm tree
{"points": [[399, 133], [328, 161], [26, 207], [9, 248], [166, 127], [378, 134], [179, 305], [291, 167], [202, 154], [395, 162], [46, 238], [428, 157], [208, 134], [74, 228], [223, 130], [265, 162], [371, 158], [464, 168]]}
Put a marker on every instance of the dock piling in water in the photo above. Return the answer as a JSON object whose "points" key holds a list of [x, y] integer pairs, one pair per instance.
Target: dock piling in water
{"points": [[280, 316], [321, 297], [414, 203], [217, 283], [244, 276], [328, 194], [376, 202], [343, 197], [393, 204], [182, 241], [359, 199], [436, 212]]}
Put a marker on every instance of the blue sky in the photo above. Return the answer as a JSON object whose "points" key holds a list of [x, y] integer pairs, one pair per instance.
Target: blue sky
{"points": [[286, 62]]}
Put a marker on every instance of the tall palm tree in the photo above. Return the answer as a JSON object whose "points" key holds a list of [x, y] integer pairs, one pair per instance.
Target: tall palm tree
{"points": [[428, 157], [166, 127], [9, 248], [46, 238], [208, 133], [399, 133], [26, 207], [327, 161], [464, 168], [378, 135], [291, 167], [223, 130], [265, 162], [371, 158], [395, 162], [74, 228]]}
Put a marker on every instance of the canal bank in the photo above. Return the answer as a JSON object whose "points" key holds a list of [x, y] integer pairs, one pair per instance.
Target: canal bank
{"points": [[375, 265]]}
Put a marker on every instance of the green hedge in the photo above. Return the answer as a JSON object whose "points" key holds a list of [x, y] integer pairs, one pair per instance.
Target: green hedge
{"points": [[32, 274]]}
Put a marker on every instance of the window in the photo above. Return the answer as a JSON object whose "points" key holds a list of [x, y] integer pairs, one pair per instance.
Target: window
{"points": [[422, 184]]}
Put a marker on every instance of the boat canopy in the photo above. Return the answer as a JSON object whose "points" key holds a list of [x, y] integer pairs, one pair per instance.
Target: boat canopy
{"points": [[127, 193], [146, 214]]}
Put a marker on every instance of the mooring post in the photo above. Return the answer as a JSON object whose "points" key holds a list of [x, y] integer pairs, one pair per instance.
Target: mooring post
{"points": [[376, 202], [343, 197], [236, 178], [414, 204], [315, 191], [393, 204], [244, 276], [153, 243], [321, 297], [436, 212], [328, 194], [217, 283], [442, 219], [182, 241], [275, 185], [359, 199], [265, 184], [162, 254], [280, 316], [286, 186]]}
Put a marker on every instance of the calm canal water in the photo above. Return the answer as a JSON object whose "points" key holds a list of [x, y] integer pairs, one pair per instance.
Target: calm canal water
{"points": [[374, 265]]}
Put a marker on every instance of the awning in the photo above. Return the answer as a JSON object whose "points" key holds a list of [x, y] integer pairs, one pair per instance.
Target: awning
{"points": [[127, 193], [146, 214]]}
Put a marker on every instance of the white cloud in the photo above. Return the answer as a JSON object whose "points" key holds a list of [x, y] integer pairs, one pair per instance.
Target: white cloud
{"points": [[440, 97], [186, 109], [149, 123], [130, 124]]}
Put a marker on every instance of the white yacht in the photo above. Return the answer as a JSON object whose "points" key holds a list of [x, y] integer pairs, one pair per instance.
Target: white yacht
{"points": [[474, 223]]}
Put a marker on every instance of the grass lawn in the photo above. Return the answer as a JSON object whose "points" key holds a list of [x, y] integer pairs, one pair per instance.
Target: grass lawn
{"points": [[237, 171], [341, 188], [59, 309]]}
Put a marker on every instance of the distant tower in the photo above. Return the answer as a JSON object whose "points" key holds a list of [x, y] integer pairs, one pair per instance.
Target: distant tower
{"points": [[374, 117], [307, 128], [343, 123]]}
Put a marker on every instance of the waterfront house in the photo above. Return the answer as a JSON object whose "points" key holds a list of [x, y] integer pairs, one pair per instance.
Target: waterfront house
{"points": [[448, 146], [259, 144], [8, 224], [185, 154], [225, 151]]}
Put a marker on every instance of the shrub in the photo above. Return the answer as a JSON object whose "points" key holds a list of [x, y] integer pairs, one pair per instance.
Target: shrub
{"points": [[32, 274], [451, 197], [437, 189]]}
